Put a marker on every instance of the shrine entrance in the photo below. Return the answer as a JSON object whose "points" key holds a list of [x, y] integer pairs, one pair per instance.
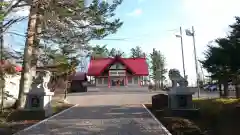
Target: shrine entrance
{"points": [[117, 81], [117, 77]]}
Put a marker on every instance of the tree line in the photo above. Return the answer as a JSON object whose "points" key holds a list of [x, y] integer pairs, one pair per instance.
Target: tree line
{"points": [[222, 59]]}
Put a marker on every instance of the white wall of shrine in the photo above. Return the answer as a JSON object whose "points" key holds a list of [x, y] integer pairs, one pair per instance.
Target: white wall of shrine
{"points": [[132, 80], [101, 81]]}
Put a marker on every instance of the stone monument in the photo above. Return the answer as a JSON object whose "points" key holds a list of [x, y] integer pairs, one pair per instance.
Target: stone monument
{"points": [[40, 96], [179, 96]]}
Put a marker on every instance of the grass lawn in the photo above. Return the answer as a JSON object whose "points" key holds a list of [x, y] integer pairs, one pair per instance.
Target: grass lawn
{"points": [[12, 121], [216, 117]]}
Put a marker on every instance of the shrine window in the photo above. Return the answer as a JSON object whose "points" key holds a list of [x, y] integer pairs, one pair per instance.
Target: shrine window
{"points": [[105, 80], [136, 80], [129, 79], [99, 80]]}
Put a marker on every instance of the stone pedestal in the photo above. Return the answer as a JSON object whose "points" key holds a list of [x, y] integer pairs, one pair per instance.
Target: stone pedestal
{"points": [[180, 98], [38, 101]]}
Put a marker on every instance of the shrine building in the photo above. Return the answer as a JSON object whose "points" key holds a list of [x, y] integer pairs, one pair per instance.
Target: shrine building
{"points": [[118, 71]]}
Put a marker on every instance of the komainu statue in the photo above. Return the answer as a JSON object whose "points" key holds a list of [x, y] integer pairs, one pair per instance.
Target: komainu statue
{"points": [[41, 80], [176, 78]]}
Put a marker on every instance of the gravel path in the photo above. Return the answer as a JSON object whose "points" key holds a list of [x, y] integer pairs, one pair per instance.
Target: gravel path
{"points": [[100, 120]]}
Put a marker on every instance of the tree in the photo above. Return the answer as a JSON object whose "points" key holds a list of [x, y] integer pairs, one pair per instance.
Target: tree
{"points": [[234, 39], [66, 60], [6, 68], [29, 59], [158, 68], [100, 51], [114, 52], [64, 22], [8, 8], [216, 62], [75, 24], [222, 60], [137, 52]]}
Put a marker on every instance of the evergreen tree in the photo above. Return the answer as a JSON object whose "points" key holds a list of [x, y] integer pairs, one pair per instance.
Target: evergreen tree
{"points": [[99, 51], [158, 67], [137, 52], [222, 60], [114, 52], [64, 22]]}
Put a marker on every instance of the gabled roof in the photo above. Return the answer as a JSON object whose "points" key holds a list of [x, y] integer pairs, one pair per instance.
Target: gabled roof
{"points": [[137, 65]]}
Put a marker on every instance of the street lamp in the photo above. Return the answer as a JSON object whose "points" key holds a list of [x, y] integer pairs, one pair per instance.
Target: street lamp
{"points": [[180, 36], [192, 34]]}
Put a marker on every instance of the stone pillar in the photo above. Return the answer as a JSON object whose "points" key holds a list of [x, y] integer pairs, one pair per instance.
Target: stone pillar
{"points": [[139, 81], [126, 80], [109, 81]]}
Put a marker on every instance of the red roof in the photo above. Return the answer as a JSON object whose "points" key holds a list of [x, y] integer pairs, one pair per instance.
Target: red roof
{"points": [[138, 66], [5, 63]]}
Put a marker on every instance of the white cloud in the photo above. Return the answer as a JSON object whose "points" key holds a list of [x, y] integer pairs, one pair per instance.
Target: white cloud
{"points": [[136, 12]]}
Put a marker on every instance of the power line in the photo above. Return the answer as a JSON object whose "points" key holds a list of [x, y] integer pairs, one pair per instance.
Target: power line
{"points": [[138, 36], [15, 33]]}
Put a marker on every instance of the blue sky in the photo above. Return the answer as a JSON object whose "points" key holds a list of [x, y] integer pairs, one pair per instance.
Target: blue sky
{"points": [[154, 23]]}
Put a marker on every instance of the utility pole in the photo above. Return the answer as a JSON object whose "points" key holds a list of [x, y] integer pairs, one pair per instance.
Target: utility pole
{"points": [[183, 61], [195, 57], [192, 34]]}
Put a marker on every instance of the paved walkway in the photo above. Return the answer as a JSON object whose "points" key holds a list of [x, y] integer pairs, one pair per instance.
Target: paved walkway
{"points": [[100, 120], [104, 113]]}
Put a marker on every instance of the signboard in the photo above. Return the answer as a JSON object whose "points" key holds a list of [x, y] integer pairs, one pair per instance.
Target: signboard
{"points": [[117, 73]]}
